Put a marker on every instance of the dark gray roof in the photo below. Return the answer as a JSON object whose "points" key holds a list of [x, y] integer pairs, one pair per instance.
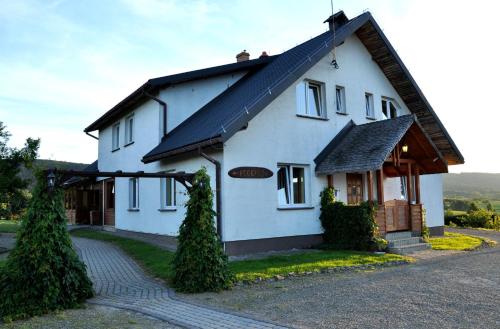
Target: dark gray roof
{"points": [[75, 179], [229, 112], [153, 85], [363, 147]]}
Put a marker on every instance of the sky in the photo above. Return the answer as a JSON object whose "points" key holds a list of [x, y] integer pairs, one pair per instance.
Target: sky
{"points": [[64, 63]]}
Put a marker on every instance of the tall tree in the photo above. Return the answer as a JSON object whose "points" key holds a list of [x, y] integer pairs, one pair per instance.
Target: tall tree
{"points": [[12, 187]]}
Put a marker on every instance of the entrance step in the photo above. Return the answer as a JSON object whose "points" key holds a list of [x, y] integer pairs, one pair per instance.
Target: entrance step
{"points": [[404, 242], [411, 248], [398, 235]]}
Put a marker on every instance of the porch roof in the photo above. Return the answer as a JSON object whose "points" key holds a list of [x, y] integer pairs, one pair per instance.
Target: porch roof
{"points": [[358, 148]]}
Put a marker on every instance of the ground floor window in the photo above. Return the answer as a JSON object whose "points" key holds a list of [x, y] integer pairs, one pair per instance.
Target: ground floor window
{"points": [[404, 189], [133, 193], [168, 191], [292, 185]]}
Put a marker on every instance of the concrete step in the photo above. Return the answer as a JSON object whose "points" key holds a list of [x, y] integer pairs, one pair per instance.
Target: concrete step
{"points": [[408, 249], [398, 235], [405, 242]]}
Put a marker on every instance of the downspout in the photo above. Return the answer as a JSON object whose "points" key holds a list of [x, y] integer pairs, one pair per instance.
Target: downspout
{"points": [[218, 179], [164, 106]]}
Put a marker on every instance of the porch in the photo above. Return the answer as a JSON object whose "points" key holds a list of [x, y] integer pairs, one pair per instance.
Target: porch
{"points": [[381, 155]]}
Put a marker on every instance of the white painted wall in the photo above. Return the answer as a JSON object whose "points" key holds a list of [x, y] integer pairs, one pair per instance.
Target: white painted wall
{"points": [[183, 100], [431, 193], [277, 135]]}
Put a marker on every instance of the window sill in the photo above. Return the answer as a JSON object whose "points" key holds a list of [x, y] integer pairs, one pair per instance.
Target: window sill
{"points": [[342, 113], [312, 117], [371, 118], [132, 142], [295, 208], [115, 150], [167, 209], [133, 209]]}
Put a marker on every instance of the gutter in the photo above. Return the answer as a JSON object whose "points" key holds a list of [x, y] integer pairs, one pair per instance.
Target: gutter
{"points": [[218, 181]]}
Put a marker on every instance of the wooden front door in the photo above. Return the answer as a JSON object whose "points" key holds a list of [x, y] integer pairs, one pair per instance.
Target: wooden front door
{"points": [[109, 203], [354, 188]]}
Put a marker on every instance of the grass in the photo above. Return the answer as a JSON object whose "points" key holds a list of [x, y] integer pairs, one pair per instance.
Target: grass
{"points": [[455, 241], [157, 261], [9, 226], [312, 261]]}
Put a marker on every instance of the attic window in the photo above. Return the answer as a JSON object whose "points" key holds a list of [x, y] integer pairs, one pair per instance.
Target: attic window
{"points": [[389, 108], [310, 99]]}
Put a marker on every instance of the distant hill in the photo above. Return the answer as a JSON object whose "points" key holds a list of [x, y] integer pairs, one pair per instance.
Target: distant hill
{"points": [[45, 164], [472, 186]]}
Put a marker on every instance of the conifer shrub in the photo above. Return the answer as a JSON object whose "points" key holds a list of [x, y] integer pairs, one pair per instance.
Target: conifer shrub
{"points": [[43, 272], [200, 263]]}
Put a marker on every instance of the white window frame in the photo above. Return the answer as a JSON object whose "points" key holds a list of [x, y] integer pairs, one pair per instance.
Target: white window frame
{"points": [[303, 99], [115, 137], [369, 110], [340, 105], [388, 101], [129, 129], [163, 194], [290, 186], [133, 200]]}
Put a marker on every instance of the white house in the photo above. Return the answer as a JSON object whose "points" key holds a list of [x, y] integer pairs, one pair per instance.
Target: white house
{"points": [[360, 124]]}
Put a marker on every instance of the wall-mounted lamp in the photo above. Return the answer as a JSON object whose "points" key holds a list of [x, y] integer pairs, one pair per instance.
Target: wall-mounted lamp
{"points": [[405, 148], [51, 180]]}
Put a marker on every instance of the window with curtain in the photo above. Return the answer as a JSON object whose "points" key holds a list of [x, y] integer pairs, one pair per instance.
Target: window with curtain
{"points": [[133, 193], [340, 99], [310, 99], [115, 137], [129, 129], [370, 113], [292, 185], [168, 193], [389, 108]]}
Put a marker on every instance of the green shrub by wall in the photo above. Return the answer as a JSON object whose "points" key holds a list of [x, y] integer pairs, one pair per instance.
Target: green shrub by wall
{"points": [[348, 227]]}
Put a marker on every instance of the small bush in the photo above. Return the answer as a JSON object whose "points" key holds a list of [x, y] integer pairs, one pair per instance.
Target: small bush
{"points": [[200, 263], [43, 272], [348, 227]]}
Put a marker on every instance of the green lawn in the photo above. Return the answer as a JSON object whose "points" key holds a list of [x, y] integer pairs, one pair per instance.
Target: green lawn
{"points": [[157, 261], [9, 226], [455, 241]]}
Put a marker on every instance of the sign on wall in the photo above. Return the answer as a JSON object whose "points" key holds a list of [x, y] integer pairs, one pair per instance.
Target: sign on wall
{"points": [[250, 172]]}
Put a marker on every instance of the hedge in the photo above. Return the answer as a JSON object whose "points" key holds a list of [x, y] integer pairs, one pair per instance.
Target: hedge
{"points": [[350, 227]]}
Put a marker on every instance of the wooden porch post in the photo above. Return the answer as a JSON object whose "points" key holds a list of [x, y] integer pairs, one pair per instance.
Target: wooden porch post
{"points": [[329, 178], [369, 175], [380, 186], [417, 185], [409, 193]]}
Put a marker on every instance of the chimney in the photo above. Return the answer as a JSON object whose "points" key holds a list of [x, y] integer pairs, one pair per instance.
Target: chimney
{"points": [[243, 56], [338, 19], [264, 54]]}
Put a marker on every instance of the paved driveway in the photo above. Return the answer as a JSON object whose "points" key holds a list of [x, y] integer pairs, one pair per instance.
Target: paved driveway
{"points": [[460, 291], [119, 282]]}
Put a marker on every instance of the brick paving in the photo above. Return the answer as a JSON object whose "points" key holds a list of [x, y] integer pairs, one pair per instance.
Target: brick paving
{"points": [[120, 282]]}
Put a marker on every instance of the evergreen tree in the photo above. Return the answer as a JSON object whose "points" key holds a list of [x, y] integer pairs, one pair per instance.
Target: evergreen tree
{"points": [[43, 272], [200, 263]]}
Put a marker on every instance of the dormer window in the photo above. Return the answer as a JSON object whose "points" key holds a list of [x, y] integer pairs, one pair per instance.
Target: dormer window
{"points": [[389, 108], [115, 137], [310, 99]]}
